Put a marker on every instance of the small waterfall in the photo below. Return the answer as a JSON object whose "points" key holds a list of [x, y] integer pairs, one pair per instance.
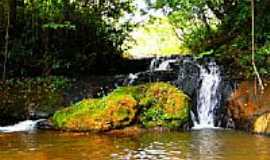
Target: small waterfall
{"points": [[208, 97], [132, 77], [165, 65], [24, 126], [154, 63], [158, 64], [207, 92]]}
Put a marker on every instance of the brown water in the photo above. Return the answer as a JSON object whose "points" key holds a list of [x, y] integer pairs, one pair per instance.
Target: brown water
{"points": [[204, 145]]}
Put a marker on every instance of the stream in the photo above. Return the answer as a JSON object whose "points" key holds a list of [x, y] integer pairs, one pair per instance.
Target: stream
{"points": [[200, 144]]}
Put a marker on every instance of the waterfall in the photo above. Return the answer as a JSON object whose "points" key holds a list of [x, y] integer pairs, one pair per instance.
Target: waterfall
{"points": [[24, 126], [208, 97], [208, 83]]}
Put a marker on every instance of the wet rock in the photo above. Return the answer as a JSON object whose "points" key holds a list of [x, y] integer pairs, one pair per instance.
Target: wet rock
{"points": [[46, 124], [247, 106], [262, 124]]}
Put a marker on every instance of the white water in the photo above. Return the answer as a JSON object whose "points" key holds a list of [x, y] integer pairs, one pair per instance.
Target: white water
{"points": [[132, 77], [207, 98], [164, 65], [24, 126], [154, 63]]}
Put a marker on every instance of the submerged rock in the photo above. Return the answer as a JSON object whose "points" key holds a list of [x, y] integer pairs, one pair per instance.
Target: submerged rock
{"points": [[149, 105]]}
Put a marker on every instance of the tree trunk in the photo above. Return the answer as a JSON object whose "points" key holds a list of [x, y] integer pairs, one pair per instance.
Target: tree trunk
{"points": [[12, 15], [6, 42]]}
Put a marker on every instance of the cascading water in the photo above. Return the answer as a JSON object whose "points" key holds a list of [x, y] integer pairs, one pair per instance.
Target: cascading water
{"points": [[132, 77], [24, 126], [207, 98], [158, 64]]}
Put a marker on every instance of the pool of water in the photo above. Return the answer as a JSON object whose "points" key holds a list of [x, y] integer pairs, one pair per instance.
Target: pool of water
{"points": [[200, 144]]}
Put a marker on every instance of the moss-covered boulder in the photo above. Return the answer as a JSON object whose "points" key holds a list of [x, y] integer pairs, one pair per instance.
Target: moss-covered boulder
{"points": [[149, 105], [97, 115], [165, 106]]}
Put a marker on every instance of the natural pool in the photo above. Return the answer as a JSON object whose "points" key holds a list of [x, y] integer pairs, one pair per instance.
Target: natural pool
{"points": [[201, 144]]}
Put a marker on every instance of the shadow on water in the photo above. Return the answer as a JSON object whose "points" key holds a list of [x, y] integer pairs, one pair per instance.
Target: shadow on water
{"points": [[200, 144]]}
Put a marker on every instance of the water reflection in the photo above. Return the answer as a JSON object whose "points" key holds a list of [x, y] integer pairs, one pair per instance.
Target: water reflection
{"points": [[195, 145], [206, 144]]}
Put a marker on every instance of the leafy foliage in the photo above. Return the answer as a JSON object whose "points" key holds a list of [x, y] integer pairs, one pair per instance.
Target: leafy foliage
{"points": [[156, 37], [49, 36], [223, 28]]}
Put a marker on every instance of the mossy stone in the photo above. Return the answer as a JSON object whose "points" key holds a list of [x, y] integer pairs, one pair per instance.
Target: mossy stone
{"points": [[149, 105]]}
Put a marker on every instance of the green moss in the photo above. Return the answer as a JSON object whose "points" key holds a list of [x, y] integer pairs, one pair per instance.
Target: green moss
{"points": [[156, 104], [167, 106], [134, 91], [89, 114], [90, 106]]}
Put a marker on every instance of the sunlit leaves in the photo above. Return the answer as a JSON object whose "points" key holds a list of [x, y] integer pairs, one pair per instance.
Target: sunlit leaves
{"points": [[65, 25]]}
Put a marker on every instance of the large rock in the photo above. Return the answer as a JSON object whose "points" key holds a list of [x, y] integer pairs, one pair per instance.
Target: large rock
{"points": [[247, 106], [149, 105]]}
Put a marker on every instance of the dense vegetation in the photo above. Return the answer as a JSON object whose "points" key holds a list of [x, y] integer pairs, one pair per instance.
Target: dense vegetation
{"points": [[222, 28], [44, 37]]}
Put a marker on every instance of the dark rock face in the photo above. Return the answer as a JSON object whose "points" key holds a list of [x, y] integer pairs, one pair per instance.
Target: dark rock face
{"points": [[46, 124]]}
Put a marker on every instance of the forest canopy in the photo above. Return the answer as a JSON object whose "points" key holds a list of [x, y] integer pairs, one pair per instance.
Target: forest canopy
{"points": [[47, 35], [62, 36]]}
